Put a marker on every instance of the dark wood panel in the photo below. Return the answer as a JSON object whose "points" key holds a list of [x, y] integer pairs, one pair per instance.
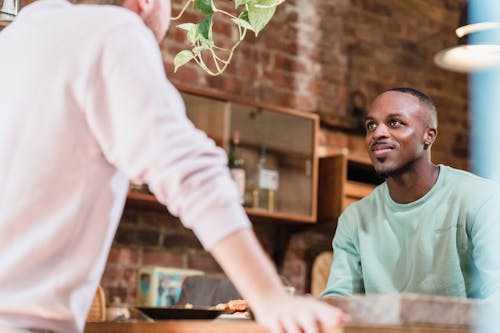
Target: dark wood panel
{"points": [[331, 176]]}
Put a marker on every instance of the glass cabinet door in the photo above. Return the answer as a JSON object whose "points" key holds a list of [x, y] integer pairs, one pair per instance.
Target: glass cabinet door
{"points": [[278, 150]]}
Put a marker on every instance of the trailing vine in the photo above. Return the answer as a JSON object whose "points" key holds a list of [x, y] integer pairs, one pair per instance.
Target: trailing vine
{"points": [[251, 15]]}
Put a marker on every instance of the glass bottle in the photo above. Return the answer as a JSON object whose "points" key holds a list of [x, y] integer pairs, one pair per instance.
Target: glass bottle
{"points": [[236, 165], [266, 184]]}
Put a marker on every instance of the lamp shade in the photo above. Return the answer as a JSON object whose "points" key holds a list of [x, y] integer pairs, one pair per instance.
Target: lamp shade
{"points": [[468, 58], [478, 45]]}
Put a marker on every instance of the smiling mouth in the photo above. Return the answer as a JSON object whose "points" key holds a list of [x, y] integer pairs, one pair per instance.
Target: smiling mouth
{"points": [[380, 150]]}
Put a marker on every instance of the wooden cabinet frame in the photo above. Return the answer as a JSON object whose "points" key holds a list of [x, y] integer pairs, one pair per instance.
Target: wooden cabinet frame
{"points": [[336, 189], [147, 201]]}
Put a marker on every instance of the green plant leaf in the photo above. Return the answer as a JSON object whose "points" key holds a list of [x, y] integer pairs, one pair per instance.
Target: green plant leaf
{"points": [[205, 27], [242, 23], [186, 26], [192, 35], [182, 58], [238, 3], [260, 12], [205, 6]]}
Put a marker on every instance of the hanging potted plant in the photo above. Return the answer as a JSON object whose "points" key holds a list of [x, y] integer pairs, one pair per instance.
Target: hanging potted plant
{"points": [[250, 15]]}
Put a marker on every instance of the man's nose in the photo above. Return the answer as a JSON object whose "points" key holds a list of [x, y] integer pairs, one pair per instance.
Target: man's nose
{"points": [[381, 131]]}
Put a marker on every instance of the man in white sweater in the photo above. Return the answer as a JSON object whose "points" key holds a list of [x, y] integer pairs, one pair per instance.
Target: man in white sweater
{"points": [[85, 106]]}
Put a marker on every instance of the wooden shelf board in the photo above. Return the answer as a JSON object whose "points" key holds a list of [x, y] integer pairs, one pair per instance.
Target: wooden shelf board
{"points": [[292, 217], [141, 200]]}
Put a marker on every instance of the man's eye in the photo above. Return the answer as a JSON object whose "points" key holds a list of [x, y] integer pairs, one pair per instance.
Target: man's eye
{"points": [[395, 123], [370, 126]]}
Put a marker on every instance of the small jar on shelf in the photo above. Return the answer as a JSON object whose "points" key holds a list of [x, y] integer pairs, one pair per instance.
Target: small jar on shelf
{"points": [[236, 165], [266, 183]]}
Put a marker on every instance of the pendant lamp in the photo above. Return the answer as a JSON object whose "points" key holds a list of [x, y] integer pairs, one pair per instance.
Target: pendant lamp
{"points": [[478, 46]]}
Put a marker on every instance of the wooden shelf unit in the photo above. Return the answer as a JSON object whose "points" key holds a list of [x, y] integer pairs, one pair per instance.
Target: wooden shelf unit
{"points": [[290, 137], [344, 179]]}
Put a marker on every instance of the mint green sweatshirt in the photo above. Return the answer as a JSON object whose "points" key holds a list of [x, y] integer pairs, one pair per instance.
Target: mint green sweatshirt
{"points": [[445, 243]]}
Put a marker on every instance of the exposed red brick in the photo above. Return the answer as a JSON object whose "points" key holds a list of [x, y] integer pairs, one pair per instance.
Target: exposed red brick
{"points": [[181, 240], [203, 261], [123, 256], [129, 276], [112, 274], [185, 74], [163, 258], [138, 237]]}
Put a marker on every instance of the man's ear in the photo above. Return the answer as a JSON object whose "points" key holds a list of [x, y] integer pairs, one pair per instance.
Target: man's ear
{"points": [[140, 7], [429, 137], [145, 7]]}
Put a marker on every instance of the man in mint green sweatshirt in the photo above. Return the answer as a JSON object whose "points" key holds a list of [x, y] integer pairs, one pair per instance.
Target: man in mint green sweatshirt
{"points": [[428, 228]]}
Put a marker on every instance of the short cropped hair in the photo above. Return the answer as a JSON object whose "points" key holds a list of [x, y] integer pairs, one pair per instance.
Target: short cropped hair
{"points": [[422, 98]]}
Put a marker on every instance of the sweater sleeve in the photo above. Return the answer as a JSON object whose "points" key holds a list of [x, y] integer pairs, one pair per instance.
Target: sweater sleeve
{"points": [[139, 121], [345, 274], [485, 233]]}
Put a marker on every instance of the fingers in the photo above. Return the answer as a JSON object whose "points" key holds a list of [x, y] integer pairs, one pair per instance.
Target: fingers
{"points": [[318, 315], [310, 324], [306, 322], [291, 327], [303, 315], [328, 315], [276, 327]]}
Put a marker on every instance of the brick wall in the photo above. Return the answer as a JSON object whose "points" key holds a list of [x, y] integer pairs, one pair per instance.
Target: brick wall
{"points": [[313, 56], [316, 53]]}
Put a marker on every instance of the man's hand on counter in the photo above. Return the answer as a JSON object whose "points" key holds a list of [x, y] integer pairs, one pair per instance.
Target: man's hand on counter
{"points": [[298, 314], [253, 274]]}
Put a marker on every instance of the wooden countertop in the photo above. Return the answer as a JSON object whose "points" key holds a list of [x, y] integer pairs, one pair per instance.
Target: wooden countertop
{"points": [[246, 326]]}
